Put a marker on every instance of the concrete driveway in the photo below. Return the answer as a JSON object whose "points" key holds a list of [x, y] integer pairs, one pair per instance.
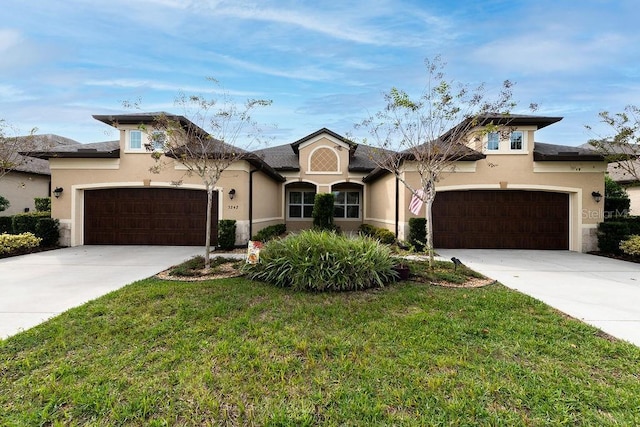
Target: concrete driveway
{"points": [[36, 287], [600, 291]]}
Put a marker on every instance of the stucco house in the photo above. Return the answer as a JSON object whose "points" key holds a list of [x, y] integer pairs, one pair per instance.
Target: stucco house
{"points": [[505, 195], [31, 177]]}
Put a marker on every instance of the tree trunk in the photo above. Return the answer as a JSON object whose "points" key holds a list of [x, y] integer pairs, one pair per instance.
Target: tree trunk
{"points": [[207, 241], [429, 226]]}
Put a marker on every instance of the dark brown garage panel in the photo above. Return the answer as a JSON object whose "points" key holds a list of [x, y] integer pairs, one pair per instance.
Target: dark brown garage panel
{"points": [[147, 216], [508, 219]]}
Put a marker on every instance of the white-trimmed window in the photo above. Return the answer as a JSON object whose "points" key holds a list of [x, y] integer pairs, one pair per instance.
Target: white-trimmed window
{"points": [[346, 205], [493, 141], [158, 140], [516, 140], [301, 203], [134, 141]]}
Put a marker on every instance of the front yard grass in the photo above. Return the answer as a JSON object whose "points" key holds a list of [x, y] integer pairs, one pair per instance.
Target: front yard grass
{"points": [[236, 352]]}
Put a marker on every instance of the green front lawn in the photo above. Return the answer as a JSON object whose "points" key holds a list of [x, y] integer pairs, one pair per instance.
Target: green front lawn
{"points": [[236, 352]]}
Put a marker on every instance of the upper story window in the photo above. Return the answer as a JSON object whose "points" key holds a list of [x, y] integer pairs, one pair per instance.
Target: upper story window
{"points": [[158, 140], [141, 142], [516, 140], [323, 159], [493, 142], [134, 142]]}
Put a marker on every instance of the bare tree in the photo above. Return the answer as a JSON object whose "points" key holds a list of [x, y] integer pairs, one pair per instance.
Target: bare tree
{"points": [[206, 153], [623, 148], [434, 131], [14, 149]]}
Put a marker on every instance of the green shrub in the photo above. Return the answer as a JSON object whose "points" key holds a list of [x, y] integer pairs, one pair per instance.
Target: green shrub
{"points": [[385, 236], [631, 246], [270, 232], [610, 234], [417, 233], [5, 224], [10, 243], [323, 261], [4, 204], [26, 223], [323, 211], [43, 204], [367, 230], [226, 233], [48, 229]]}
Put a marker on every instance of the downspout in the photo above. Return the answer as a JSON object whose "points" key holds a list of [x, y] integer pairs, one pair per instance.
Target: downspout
{"points": [[397, 206], [251, 172]]}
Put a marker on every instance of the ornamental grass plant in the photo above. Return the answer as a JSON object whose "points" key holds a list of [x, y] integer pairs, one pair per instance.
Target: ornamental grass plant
{"points": [[324, 261]]}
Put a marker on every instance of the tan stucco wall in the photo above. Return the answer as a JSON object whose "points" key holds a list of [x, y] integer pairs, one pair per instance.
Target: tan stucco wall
{"points": [[20, 189], [634, 196], [519, 172], [380, 208], [324, 180], [132, 170]]}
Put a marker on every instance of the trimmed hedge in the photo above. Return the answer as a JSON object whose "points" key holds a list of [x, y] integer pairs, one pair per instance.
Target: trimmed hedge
{"points": [[227, 234], [43, 204], [324, 261], [631, 246], [323, 211], [270, 232], [6, 224], [613, 231], [48, 229], [418, 233], [382, 234], [26, 222], [10, 243]]}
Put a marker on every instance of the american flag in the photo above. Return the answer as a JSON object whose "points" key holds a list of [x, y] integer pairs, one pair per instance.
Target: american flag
{"points": [[416, 202]]}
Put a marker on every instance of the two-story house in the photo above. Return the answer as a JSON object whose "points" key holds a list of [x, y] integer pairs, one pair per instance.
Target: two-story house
{"points": [[509, 192]]}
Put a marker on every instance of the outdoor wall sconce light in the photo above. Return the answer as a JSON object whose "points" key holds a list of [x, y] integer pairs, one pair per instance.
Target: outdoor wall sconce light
{"points": [[58, 192], [232, 193], [596, 196]]}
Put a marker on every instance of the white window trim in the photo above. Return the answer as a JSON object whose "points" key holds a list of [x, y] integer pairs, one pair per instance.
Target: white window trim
{"points": [[295, 218], [504, 144], [312, 172], [359, 218], [145, 140], [128, 148]]}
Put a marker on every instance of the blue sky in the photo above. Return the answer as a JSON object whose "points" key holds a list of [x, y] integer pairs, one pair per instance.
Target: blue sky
{"points": [[323, 63]]}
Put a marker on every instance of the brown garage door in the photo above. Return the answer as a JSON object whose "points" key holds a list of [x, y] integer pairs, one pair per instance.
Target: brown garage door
{"points": [[501, 220], [147, 216]]}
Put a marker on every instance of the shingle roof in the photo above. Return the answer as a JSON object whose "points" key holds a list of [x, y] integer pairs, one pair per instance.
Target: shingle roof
{"points": [[107, 149], [285, 157], [280, 158], [31, 163], [552, 152]]}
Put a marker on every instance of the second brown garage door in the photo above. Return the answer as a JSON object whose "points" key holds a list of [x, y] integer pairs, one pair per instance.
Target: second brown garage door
{"points": [[501, 220], [147, 216]]}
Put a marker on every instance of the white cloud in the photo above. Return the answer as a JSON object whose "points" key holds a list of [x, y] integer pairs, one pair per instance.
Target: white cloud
{"points": [[9, 39], [551, 50], [160, 86]]}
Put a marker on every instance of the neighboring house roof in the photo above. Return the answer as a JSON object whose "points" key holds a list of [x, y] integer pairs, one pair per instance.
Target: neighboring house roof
{"points": [[624, 175], [562, 153], [30, 162]]}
